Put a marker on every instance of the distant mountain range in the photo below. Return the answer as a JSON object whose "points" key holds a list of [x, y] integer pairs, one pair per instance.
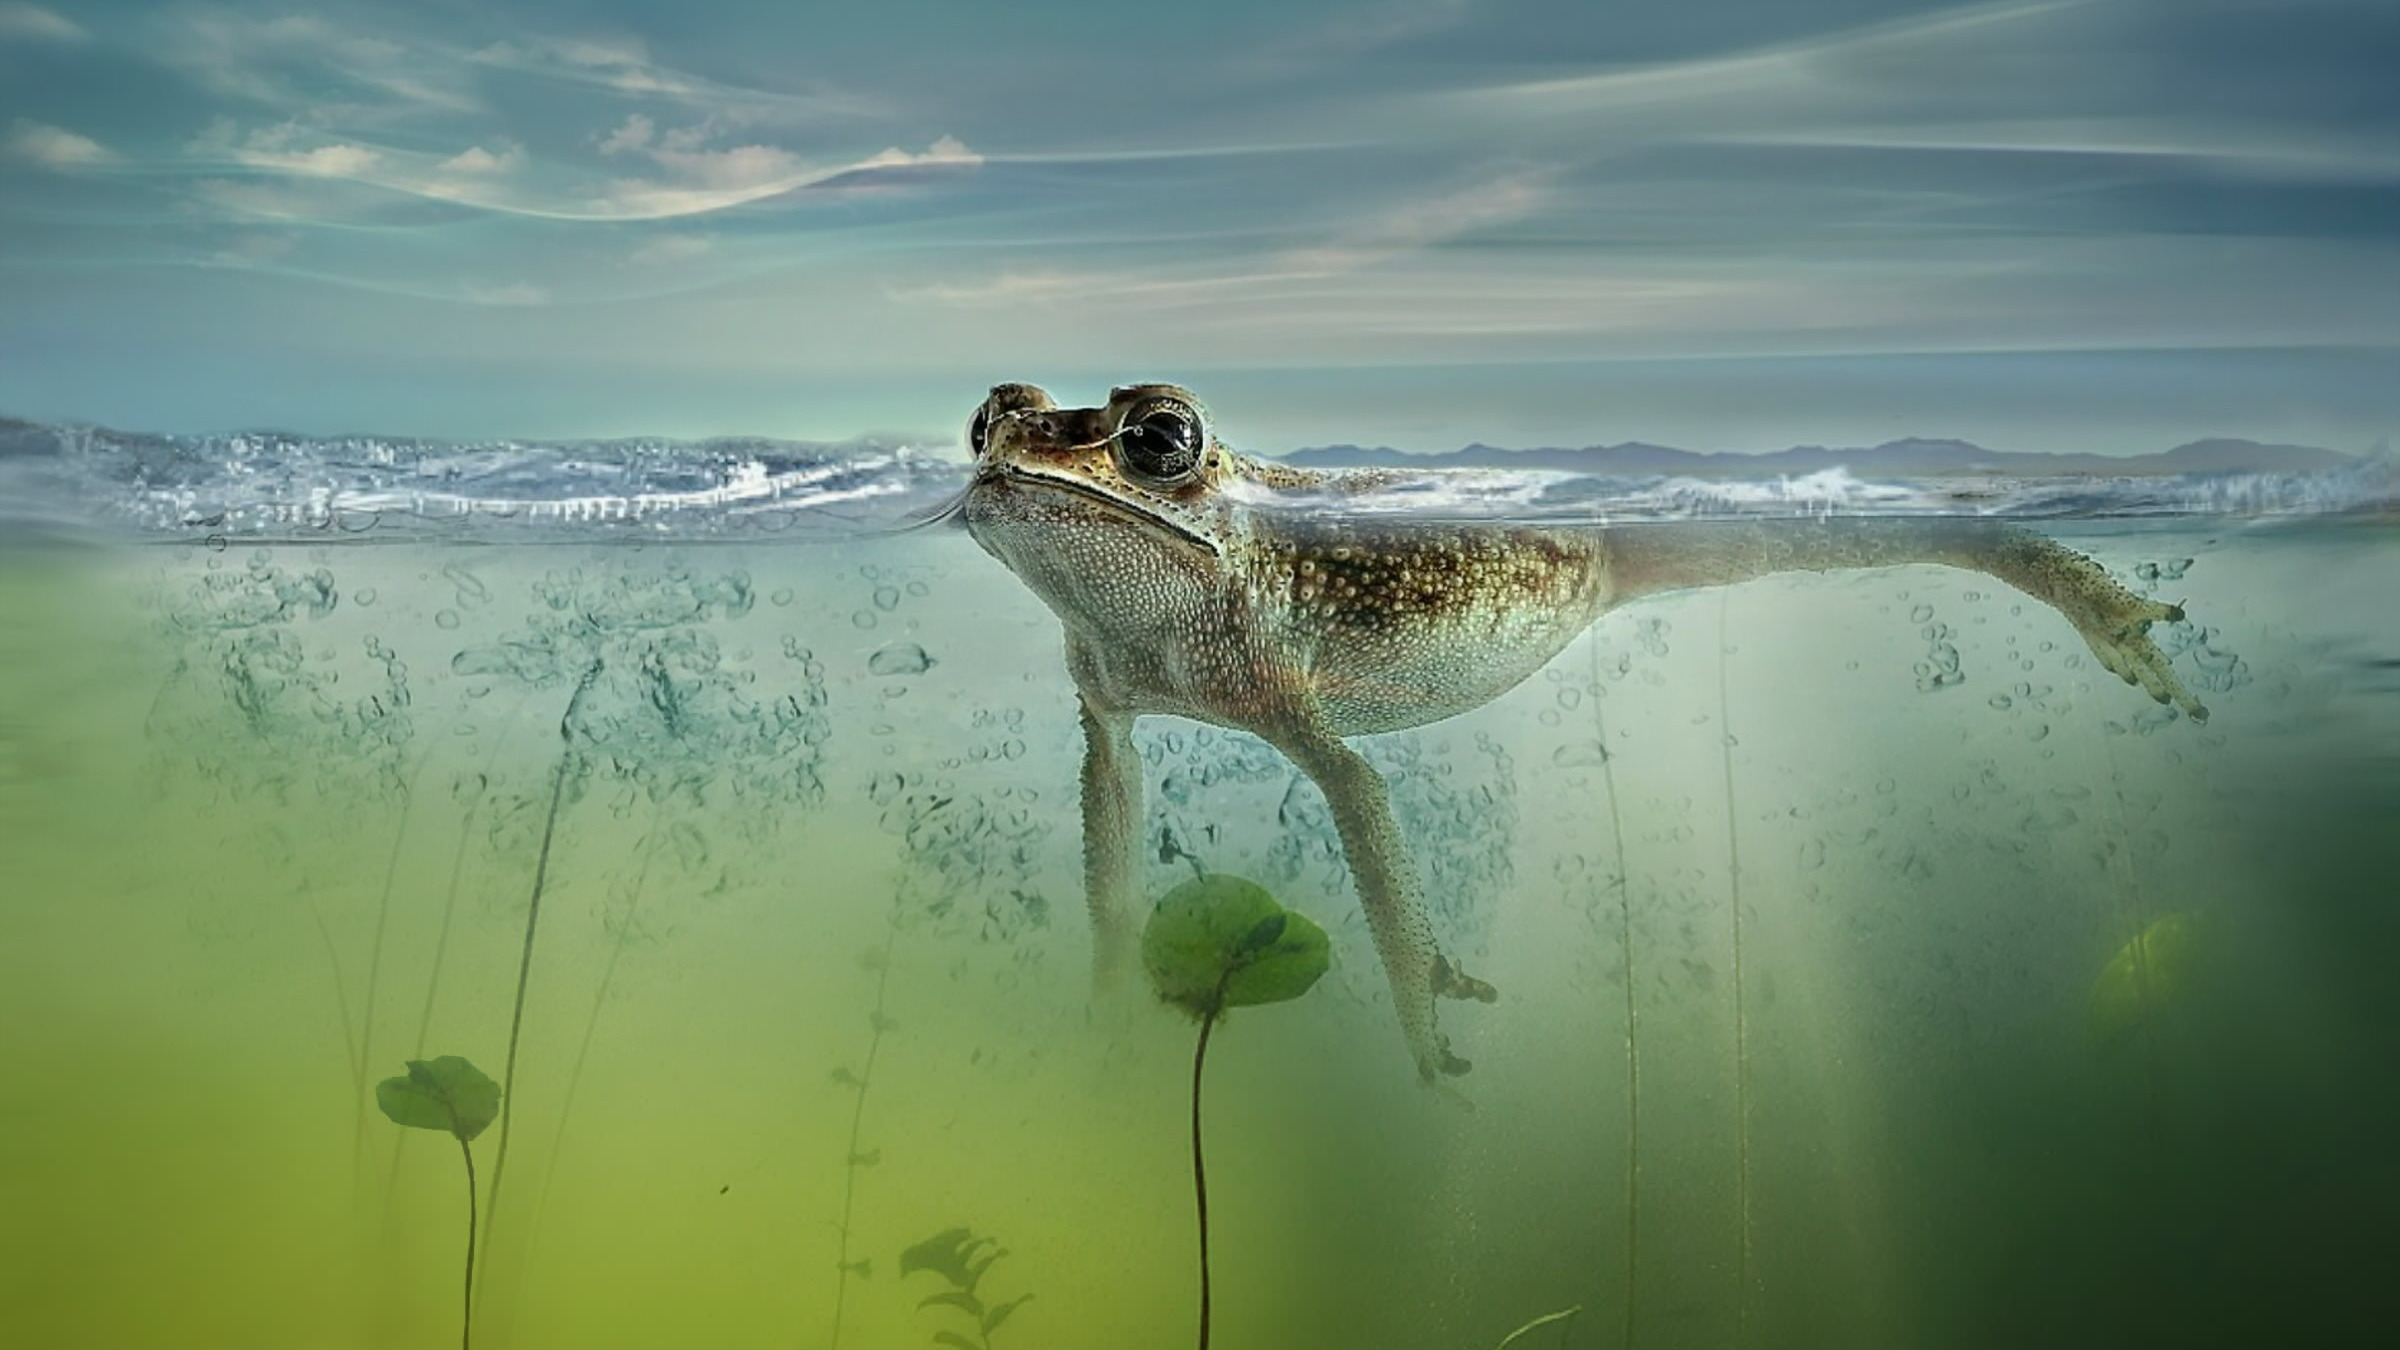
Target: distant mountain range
{"points": [[1912, 458]]}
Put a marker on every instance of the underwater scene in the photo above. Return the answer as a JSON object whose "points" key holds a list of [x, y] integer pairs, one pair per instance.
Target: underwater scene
{"points": [[637, 889]]}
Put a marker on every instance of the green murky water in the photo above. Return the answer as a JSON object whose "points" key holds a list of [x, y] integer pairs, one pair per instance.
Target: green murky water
{"points": [[809, 985]]}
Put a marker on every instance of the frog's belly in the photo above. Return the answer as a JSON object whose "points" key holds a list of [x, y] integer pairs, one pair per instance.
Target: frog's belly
{"points": [[1388, 682]]}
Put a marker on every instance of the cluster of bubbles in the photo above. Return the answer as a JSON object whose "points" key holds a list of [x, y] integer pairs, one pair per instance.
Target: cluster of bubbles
{"points": [[974, 859], [1938, 668], [657, 700], [253, 706], [2213, 666], [977, 843]]}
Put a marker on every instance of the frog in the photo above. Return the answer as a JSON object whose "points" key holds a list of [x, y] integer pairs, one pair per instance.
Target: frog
{"points": [[1194, 581]]}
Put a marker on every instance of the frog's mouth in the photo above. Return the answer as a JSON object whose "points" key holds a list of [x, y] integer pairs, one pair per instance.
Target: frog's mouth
{"points": [[1019, 476]]}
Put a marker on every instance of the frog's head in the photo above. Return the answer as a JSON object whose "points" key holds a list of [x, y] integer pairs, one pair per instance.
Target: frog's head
{"points": [[1144, 459], [1114, 515]]}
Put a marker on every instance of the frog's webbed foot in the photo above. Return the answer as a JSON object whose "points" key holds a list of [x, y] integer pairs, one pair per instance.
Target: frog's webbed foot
{"points": [[2117, 628], [1387, 891], [1450, 981]]}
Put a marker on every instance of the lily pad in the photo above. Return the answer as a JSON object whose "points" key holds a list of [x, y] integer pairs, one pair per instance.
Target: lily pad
{"points": [[1219, 942], [446, 1094], [2154, 971]]}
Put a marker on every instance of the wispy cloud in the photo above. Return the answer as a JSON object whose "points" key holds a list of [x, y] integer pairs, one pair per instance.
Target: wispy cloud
{"points": [[693, 177], [1829, 67], [253, 247], [1360, 28], [297, 61], [54, 147], [483, 161], [515, 293], [669, 249], [1373, 239], [32, 23], [1422, 223], [625, 66], [2104, 137]]}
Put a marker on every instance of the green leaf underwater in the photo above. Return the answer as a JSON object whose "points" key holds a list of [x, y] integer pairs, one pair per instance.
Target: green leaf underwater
{"points": [[1219, 942], [447, 1094]]}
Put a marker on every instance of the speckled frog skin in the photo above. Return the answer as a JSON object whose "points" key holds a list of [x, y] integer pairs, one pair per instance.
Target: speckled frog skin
{"points": [[1185, 589]]}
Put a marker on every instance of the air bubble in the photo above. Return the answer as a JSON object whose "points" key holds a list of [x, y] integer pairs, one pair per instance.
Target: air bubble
{"points": [[901, 658]]}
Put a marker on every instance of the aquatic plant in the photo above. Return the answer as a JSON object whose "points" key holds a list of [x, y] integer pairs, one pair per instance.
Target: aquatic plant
{"points": [[568, 762], [962, 1258], [2150, 973], [1219, 942], [651, 702], [452, 1095], [880, 961], [1741, 1001], [1622, 881], [1546, 1319]]}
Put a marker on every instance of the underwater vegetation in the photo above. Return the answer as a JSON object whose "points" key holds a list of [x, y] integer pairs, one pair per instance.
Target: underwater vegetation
{"points": [[1219, 942], [878, 1023], [962, 1258], [452, 1095], [651, 701], [2154, 971]]}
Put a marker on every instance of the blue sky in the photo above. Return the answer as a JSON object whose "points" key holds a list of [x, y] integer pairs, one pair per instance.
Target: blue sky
{"points": [[1726, 224]]}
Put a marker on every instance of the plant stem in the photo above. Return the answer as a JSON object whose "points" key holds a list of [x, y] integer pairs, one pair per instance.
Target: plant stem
{"points": [[383, 921], [533, 920], [1741, 1008], [858, 1112], [1633, 1052], [466, 1326], [1542, 1321], [1199, 1167], [647, 848], [1208, 1023]]}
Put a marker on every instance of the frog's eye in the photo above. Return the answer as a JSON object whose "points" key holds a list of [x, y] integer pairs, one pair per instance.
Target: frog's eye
{"points": [[1162, 440], [979, 429]]}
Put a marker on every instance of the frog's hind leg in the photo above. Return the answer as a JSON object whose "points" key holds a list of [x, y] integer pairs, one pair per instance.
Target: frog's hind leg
{"points": [[1112, 826], [1387, 891], [2113, 621]]}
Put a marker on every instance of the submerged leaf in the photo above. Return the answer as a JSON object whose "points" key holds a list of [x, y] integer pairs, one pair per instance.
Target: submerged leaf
{"points": [[975, 1268], [956, 1298], [999, 1314], [2152, 972], [1220, 933], [953, 1338], [947, 1254], [441, 1094]]}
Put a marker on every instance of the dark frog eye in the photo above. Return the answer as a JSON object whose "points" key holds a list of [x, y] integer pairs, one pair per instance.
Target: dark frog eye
{"points": [[979, 429], [1162, 441]]}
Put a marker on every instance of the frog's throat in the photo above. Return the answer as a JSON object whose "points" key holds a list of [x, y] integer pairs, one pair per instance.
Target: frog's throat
{"points": [[1020, 475]]}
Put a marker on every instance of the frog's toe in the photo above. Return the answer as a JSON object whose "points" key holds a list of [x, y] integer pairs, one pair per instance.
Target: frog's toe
{"points": [[1434, 1060], [2135, 659], [1449, 981]]}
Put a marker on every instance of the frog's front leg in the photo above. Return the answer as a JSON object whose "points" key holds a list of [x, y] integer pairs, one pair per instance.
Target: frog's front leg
{"points": [[2114, 622], [1112, 829], [1387, 891]]}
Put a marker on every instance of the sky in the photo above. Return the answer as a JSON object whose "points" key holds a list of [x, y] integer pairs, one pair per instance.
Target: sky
{"points": [[2076, 225]]}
